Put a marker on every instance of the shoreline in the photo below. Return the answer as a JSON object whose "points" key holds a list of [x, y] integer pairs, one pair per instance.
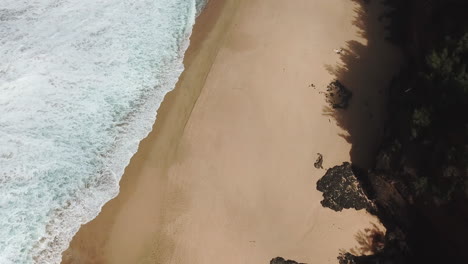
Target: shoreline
{"points": [[227, 172], [95, 237]]}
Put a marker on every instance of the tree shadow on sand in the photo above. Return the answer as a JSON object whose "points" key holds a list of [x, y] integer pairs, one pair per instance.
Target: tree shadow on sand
{"points": [[370, 241], [366, 69]]}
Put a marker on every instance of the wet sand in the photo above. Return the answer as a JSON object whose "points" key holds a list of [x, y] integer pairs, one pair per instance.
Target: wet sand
{"points": [[228, 176]]}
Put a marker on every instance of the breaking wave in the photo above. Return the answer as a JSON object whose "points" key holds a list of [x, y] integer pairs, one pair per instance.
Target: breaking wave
{"points": [[80, 84]]}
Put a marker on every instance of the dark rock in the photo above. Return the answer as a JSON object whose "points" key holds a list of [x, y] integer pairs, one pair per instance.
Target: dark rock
{"points": [[280, 260], [319, 161], [341, 189], [338, 95]]}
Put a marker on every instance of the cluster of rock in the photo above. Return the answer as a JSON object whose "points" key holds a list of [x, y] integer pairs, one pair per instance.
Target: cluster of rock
{"points": [[338, 96], [341, 189]]}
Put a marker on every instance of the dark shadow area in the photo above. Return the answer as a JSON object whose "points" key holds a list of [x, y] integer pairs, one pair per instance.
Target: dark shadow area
{"points": [[365, 70], [407, 123], [370, 240]]}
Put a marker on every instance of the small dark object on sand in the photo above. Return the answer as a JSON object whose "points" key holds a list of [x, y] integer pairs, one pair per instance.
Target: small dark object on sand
{"points": [[338, 95], [319, 161]]}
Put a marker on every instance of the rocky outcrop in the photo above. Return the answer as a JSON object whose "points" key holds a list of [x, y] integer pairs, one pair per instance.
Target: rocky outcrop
{"points": [[280, 260], [338, 96], [341, 189]]}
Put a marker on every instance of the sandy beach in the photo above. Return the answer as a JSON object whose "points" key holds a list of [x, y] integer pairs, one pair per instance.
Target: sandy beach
{"points": [[227, 175]]}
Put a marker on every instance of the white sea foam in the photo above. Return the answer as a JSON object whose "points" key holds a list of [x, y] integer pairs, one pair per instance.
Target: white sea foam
{"points": [[80, 83]]}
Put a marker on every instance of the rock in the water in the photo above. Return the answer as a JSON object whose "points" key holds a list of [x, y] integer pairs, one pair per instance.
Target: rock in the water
{"points": [[341, 189], [338, 95], [280, 260]]}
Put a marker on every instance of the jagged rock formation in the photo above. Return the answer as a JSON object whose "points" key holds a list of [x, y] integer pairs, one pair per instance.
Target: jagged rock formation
{"points": [[341, 189], [338, 96], [280, 260]]}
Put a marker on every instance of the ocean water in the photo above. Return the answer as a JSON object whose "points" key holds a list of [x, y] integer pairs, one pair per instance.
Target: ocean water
{"points": [[80, 83]]}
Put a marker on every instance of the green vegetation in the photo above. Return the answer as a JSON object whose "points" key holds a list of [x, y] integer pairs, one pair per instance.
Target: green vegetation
{"points": [[420, 179], [433, 101]]}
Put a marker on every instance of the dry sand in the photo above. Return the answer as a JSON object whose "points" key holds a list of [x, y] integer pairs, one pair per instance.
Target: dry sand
{"points": [[233, 180]]}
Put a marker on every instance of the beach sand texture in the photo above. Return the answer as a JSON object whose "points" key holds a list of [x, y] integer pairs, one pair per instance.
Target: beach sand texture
{"points": [[230, 177]]}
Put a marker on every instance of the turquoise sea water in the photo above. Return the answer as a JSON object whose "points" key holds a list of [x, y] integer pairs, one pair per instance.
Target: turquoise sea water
{"points": [[80, 83]]}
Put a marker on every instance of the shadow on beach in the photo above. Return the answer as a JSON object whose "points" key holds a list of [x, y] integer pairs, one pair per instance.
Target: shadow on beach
{"points": [[366, 69], [370, 241]]}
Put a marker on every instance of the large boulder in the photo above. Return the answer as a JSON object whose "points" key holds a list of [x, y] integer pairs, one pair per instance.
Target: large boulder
{"points": [[338, 96], [341, 189]]}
